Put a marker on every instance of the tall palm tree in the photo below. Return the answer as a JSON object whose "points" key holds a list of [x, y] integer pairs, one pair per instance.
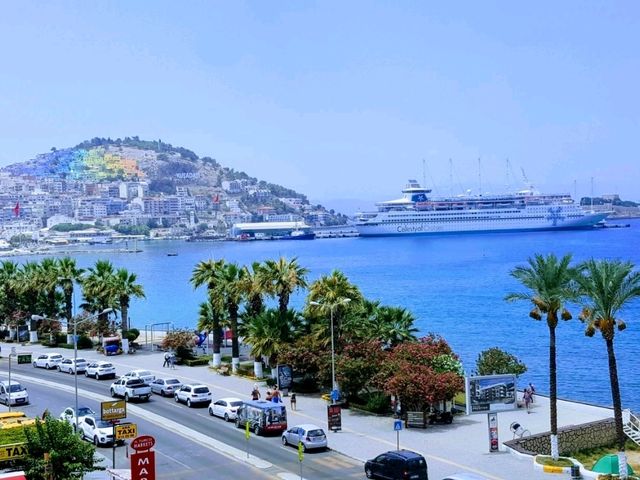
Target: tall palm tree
{"points": [[227, 295], [285, 277], [9, 285], [69, 275], [47, 277], [124, 287], [549, 283], [607, 287], [254, 285], [206, 273], [98, 292]]}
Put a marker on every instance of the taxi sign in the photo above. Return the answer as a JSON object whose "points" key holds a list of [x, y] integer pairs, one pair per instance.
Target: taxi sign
{"points": [[300, 451], [114, 410], [126, 430], [24, 358], [13, 451]]}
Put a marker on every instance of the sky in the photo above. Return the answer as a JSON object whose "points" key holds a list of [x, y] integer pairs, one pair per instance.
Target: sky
{"points": [[342, 101]]}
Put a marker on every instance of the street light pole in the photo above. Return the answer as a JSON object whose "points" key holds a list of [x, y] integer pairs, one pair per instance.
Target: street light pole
{"points": [[332, 307], [75, 355]]}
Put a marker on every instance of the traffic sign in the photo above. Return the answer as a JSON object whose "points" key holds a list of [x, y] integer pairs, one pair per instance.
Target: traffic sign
{"points": [[126, 430], [143, 442], [335, 394], [300, 451], [24, 358], [113, 410], [397, 425]]}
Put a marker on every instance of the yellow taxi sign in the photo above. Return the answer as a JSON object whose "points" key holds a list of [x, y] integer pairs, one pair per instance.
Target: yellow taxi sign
{"points": [[300, 451], [13, 451], [126, 430]]}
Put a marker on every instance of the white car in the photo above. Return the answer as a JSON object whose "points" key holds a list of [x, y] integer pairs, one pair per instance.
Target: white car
{"points": [[192, 394], [68, 415], [16, 395], [226, 408], [96, 431], [145, 375], [68, 365], [165, 386], [311, 436], [100, 370], [48, 360]]}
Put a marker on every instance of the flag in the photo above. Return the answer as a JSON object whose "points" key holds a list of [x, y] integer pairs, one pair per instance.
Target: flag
{"points": [[16, 209]]}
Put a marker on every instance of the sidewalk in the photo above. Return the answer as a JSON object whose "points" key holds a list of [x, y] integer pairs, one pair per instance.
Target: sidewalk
{"points": [[461, 446]]}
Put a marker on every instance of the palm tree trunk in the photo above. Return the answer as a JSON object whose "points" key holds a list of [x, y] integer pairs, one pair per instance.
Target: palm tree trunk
{"points": [[553, 394], [68, 301], [235, 345], [257, 367], [124, 310], [217, 358], [283, 304], [617, 408]]}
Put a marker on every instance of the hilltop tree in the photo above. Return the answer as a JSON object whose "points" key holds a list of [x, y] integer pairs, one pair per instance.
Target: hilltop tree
{"points": [[495, 361]]}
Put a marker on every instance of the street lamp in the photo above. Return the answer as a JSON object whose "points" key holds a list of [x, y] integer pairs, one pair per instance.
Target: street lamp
{"points": [[75, 353], [332, 306], [12, 353]]}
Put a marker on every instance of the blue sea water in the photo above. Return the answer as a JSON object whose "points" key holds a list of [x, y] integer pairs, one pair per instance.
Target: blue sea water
{"points": [[454, 285]]}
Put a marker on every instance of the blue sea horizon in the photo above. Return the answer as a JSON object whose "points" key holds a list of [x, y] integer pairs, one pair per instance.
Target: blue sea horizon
{"points": [[453, 284]]}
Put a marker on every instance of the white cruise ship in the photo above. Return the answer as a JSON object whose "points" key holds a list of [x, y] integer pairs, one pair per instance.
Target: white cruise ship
{"points": [[417, 214]]}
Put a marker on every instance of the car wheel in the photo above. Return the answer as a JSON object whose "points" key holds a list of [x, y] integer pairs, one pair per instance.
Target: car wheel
{"points": [[256, 429], [189, 402], [162, 393], [59, 369], [211, 411], [35, 365], [113, 392], [70, 372], [368, 473], [176, 398], [126, 397], [284, 441], [47, 366], [96, 442], [226, 417], [97, 376], [86, 374]]}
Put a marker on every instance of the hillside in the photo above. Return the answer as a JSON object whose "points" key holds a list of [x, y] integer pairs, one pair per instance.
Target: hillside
{"points": [[165, 168]]}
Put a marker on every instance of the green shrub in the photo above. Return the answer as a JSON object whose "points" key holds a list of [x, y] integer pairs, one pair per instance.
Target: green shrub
{"points": [[308, 384], [196, 362], [184, 354], [376, 402], [131, 334], [61, 338], [84, 342], [65, 345]]}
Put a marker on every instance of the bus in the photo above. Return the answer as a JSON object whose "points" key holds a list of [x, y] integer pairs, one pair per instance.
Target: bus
{"points": [[262, 416]]}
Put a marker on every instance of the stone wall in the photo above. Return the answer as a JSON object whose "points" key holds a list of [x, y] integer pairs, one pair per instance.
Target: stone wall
{"points": [[570, 439]]}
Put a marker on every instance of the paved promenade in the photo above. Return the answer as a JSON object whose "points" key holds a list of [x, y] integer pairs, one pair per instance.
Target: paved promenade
{"points": [[461, 446]]}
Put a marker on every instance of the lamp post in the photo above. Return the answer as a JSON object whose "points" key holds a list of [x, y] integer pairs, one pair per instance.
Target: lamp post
{"points": [[75, 354], [12, 353], [332, 306]]}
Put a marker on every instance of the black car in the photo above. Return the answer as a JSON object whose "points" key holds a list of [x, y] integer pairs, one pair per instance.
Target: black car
{"points": [[397, 465]]}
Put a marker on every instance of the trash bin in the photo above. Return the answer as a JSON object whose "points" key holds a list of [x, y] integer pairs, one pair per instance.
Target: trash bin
{"points": [[575, 472]]}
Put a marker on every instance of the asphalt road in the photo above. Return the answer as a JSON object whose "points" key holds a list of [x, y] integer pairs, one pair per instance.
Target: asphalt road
{"points": [[177, 456]]}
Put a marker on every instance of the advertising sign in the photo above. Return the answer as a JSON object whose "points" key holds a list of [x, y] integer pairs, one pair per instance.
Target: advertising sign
{"points": [[334, 417], [115, 410], [143, 442], [492, 419], [285, 377], [143, 465], [491, 393], [126, 430]]}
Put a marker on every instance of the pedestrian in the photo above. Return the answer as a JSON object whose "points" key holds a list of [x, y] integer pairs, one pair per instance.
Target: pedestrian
{"points": [[166, 359], [269, 396], [527, 399], [532, 389], [275, 396], [293, 401], [255, 393], [172, 361]]}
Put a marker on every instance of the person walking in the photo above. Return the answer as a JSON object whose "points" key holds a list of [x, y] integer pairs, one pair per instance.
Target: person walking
{"points": [[255, 393], [532, 389], [172, 361], [527, 399], [269, 396], [293, 401], [166, 359]]}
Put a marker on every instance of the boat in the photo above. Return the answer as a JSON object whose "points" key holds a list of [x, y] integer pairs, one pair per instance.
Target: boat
{"points": [[417, 213], [299, 235], [172, 254]]}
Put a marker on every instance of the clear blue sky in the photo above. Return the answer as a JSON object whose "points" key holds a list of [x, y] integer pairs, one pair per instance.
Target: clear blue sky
{"points": [[337, 99]]}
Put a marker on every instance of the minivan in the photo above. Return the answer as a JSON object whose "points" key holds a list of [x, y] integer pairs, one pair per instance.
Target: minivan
{"points": [[262, 416], [397, 465], [17, 396]]}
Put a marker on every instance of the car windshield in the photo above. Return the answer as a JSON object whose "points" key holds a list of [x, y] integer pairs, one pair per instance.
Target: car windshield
{"points": [[102, 424], [172, 381], [315, 433], [85, 411], [201, 390], [16, 387], [143, 373], [236, 404]]}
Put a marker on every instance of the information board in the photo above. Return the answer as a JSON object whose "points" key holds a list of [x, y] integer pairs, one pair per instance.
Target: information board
{"points": [[491, 393]]}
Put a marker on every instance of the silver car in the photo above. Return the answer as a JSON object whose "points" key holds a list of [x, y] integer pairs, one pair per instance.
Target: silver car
{"points": [[311, 436], [165, 386], [68, 365]]}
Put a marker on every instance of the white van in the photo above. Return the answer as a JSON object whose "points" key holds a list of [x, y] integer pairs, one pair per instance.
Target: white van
{"points": [[17, 396]]}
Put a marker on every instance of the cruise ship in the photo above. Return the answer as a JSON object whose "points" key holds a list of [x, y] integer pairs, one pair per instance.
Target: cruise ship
{"points": [[416, 213]]}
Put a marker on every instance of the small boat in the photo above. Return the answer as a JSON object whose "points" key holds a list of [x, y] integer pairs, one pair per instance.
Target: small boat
{"points": [[172, 254], [299, 235]]}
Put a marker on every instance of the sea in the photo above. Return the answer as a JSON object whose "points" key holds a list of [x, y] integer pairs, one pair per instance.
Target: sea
{"points": [[454, 285]]}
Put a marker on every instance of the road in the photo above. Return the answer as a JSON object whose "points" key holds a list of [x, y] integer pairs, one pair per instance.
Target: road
{"points": [[181, 450]]}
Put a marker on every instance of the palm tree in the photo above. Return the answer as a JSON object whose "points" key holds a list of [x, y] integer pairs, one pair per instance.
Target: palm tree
{"points": [[206, 273], [254, 285], [285, 277], [98, 292], [550, 286], [393, 325], [227, 295], [69, 274], [9, 285], [124, 287], [607, 287]]}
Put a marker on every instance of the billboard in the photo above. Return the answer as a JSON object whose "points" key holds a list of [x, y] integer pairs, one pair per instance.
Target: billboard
{"points": [[114, 410], [491, 393], [285, 377]]}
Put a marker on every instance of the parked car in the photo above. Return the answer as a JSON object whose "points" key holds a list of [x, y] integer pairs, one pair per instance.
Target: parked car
{"points": [[465, 476], [165, 386], [226, 408], [145, 375], [397, 464], [130, 388], [47, 360], [311, 436], [192, 394], [69, 365], [68, 415], [100, 369], [14, 395], [96, 431]]}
